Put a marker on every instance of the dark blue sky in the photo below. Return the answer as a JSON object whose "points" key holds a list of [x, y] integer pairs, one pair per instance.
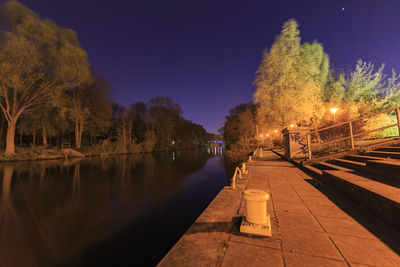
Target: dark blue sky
{"points": [[204, 53]]}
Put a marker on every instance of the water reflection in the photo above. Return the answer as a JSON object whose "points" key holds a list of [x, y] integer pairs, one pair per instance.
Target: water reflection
{"points": [[215, 150], [7, 211], [81, 211]]}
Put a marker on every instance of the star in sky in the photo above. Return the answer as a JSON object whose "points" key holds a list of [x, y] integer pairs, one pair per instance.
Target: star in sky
{"points": [[343, 8]]}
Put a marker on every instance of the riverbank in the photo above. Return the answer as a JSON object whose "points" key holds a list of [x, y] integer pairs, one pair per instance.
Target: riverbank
{"points": [[311, 226], [43, 153]]}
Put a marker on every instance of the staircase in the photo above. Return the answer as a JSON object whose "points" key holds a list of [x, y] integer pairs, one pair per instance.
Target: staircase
{"points": [[370, 179]]}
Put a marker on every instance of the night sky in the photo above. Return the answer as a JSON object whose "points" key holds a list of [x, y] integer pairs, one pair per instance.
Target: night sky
{"points": [[203, 54]]}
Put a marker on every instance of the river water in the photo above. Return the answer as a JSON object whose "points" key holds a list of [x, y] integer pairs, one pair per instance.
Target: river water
{"points": [[125, 210]]}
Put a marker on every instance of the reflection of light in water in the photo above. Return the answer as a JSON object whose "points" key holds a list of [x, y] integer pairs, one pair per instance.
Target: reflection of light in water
{"points": [[217, 150], [173, 155]]}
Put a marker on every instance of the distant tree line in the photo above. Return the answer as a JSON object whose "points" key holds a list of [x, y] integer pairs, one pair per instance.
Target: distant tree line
{"points": [[50, 95], [296, 85]]}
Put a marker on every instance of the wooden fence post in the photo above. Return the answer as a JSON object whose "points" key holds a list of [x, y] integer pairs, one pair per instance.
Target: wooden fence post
{"points": [[351, 135], [308, 136], [398, 120]]}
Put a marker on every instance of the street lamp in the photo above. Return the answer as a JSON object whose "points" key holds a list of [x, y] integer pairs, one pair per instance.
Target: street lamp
{"points": [[334, 110]]}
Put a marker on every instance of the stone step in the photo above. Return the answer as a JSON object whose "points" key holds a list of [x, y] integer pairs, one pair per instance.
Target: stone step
{"points": [[389, 168], [382, 172], [377, 198], [384, 154], [389, 148], [361, 158], [329, 166], [349, 164]]}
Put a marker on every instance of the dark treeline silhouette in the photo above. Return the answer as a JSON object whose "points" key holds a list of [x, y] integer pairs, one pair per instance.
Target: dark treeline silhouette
{"points": [[239, 129], [93, 123]]}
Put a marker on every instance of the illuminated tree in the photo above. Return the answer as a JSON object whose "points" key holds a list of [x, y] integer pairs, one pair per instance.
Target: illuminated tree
{"points": [[38, 59], [392, 91], [290, 80], [334, 91], [362, 88]]}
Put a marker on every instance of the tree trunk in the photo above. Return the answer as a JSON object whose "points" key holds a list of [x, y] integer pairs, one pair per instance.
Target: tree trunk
{"points": [[130, 131], [44, 134], [2, 133], [123, 136], [10, 145], [34, 137], [78, 133], [77, 140]]}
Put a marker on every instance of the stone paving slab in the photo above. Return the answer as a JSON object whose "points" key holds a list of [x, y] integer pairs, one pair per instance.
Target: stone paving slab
{"points": [[296, 259], [369, 252], [236, 256], [384, 190], [308, 229]]}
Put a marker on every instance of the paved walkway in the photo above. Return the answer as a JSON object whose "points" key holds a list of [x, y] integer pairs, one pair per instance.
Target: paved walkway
{"points": [[308, 228]]}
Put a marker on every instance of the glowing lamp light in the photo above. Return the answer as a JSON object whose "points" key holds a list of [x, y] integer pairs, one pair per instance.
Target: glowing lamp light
{"points": [[267, 135], [334, 110], [261, 135], [276, 131], [291, 125]]}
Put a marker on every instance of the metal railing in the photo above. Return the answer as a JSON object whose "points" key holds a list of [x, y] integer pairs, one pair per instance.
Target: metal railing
{"points": [[258, 152], [351, 133], [239, 171]]}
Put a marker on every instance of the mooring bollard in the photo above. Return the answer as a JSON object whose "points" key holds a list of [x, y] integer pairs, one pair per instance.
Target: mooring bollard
{"points": [[256, 220], [249, 160], [256, 206]]}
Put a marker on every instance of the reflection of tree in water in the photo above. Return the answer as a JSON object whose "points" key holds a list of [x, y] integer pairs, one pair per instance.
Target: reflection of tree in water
{"points": [[156, 175], [76, 184], [7, 210], [80, 202]]}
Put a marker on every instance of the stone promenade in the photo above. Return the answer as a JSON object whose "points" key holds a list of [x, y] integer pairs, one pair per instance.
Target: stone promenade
{"points": [[311, 226]]}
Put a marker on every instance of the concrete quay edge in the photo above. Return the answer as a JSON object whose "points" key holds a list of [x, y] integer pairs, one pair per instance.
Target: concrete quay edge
{"points": [[308, 228]]}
